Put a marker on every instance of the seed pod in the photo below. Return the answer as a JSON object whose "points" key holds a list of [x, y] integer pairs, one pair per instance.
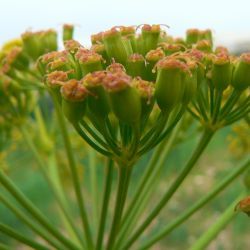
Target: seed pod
{"points": [[244, 206], [170, 49], [100, 49], [204, 45], [68, 32], [116, 46], [241, 74], [206, 35], [17, 59], [190, 82], [48, 41], [97, 38], [98, 101], [31, 44], [150, 37], [192, 36], [169, 87], [54, 81], [89, 61], [152, 57], [221, 72], [146, 92], [129, 33], [124, 99], [136, 65], [74, 100], [72, 46], [116, 67]]}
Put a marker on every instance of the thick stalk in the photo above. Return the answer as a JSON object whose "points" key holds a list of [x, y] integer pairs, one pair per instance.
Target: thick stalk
{"points": [[37, 215], [124, 176], [75, 177], [4, 247], [206, 137], [146, 186], [216, 228], [21, 238], [198, 205], [105, 203]]}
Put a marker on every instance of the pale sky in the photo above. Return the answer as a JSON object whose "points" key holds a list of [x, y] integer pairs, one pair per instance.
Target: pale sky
{"points": [[230, 20]]}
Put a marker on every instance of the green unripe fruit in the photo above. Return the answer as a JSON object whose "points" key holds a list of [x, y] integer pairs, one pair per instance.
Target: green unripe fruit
{"points": [[169, 87], [97, 38], [192, 36], [136, 66], [146, 92], [74, 100], [150, 37], [124, 99], [190, 82], [241, 74], [98, 102], [221, 72], [116, 47], [89, 61], [68, 31], [152, 57]]}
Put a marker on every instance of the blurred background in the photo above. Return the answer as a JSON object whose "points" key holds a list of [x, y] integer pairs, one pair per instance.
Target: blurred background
{"points": [[230, 22], [228, 19]]}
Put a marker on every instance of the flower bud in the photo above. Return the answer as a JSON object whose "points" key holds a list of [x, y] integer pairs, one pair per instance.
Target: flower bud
{"points": [[244, 206], [241, 74], [89, 61], [48, 41], [169, 87], [98, 102], [192, 36], [11, 44], [150, 37], [136, 65], [124, 99], [221, 72], [68, 31], [116, 46], [74, 100]]}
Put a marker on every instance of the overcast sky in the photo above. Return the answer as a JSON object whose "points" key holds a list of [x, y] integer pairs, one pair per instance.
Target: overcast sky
{"points": [[230, 20]]}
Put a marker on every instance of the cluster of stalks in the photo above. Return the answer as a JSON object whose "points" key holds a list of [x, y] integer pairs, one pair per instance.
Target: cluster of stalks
{"points": [[127, 95]]}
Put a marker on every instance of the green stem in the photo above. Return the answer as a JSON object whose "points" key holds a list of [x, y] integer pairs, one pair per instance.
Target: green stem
{"points": [[198, 205], [229, 104], [124, 174], [94, 187], [74, 173], [216, 228], [146, 185], [206, 137], [105, 203], [29, 222], [21, 198], [4, 247], [54, 185], [20, 237], [218, 98]]}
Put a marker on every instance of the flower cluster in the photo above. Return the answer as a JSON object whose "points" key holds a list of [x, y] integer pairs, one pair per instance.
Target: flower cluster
{"points": [[127, 79]]}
